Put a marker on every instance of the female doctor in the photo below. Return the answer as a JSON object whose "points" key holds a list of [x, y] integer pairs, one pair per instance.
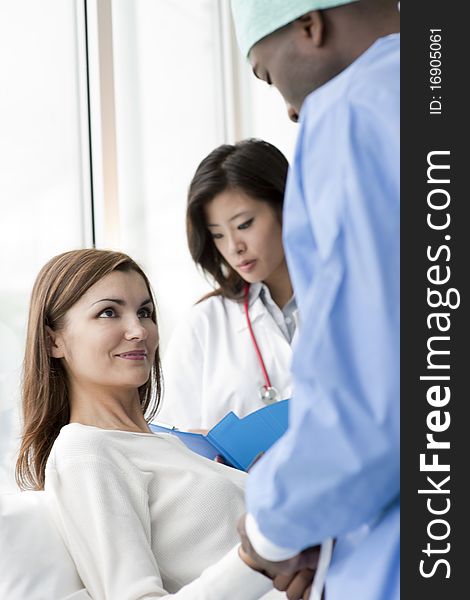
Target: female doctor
{"points": [[233, 353]]}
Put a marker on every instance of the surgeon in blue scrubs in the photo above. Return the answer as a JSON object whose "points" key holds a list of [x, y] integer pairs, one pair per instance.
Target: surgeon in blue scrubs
{"points": [[335, 474]]}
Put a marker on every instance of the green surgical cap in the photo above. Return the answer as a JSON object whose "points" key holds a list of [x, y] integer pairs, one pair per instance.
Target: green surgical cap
{"points": [[255, 19]]}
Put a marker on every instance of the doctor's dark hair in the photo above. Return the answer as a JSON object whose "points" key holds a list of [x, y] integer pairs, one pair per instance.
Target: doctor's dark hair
{"points": [[256, 168], [45, 397]]}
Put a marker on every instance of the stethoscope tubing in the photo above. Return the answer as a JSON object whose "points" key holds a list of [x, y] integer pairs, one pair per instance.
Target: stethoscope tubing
{"points": [[267, 381]]}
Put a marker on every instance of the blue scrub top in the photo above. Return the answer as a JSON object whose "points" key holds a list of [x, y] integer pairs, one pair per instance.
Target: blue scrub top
{"points": [[335, 473]]}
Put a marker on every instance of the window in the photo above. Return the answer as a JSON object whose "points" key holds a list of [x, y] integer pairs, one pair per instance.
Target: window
{"points": [[44, 198]]}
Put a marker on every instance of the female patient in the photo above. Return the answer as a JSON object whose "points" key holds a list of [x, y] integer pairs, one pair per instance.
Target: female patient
{"points": [[141, 515], [234, 226]]}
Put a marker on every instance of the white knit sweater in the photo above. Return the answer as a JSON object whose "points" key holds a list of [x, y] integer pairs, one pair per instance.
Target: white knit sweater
{"points": [[144, 517]]}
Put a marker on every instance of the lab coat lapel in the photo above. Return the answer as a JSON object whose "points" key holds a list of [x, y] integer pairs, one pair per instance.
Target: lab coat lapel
{"points": [[256, 308]]}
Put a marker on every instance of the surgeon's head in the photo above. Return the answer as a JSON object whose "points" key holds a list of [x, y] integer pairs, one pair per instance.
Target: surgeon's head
{"points": [[91, 326], [298, 46], [234, 215]]}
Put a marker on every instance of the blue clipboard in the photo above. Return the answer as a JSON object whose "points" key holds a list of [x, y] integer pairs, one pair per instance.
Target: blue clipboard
{"points": [[239, 441]]}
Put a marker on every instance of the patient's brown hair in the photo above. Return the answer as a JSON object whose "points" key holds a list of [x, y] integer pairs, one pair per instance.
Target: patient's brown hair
{"points": [[45, 402]]}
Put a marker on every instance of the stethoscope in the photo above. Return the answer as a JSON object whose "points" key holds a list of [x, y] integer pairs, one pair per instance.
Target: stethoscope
{"points": [[267, 393]]}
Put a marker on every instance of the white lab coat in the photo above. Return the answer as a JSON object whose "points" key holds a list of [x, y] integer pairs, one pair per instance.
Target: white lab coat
{"points": [[210, 366]]}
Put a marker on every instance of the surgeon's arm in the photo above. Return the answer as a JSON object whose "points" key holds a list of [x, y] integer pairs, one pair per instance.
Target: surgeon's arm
{"points": [[337, 466]]}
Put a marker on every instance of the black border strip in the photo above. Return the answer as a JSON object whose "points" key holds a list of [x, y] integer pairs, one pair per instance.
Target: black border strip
{"points": [[425, 131]]}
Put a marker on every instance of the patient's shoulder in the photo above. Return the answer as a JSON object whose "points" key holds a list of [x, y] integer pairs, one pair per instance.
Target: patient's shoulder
{"points": [[99, 455], [76, 441]]}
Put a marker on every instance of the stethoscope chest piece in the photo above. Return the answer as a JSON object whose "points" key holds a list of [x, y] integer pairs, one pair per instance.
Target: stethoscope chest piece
{"points": [[268, 395]]}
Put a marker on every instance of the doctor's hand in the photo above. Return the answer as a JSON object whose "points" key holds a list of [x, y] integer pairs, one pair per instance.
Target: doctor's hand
{"points": [[293, 575], [296, 585]]}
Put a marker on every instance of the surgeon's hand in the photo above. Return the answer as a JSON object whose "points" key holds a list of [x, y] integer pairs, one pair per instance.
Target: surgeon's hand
{"points": [[293, 575], [296, 585]]}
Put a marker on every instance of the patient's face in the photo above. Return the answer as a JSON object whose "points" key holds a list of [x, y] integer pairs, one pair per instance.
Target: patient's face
{"points": [[248, 234], [109, 338]]}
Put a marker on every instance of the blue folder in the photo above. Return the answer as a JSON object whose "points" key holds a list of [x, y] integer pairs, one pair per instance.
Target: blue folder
{"points": [[239, 441]]}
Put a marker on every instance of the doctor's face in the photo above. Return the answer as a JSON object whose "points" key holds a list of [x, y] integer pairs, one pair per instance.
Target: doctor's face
{"points": [[296, 60], [109, 337], [247, 233]]}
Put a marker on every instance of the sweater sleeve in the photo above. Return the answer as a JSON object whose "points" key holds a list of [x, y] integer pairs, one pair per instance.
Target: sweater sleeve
{"points": [[103, 515]]}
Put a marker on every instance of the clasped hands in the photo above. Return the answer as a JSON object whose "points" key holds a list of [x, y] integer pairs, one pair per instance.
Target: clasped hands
{"points": [[293, 576]]}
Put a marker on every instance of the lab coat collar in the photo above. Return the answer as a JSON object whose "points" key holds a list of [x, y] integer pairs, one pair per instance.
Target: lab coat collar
{"points": [[254, 293], [255, 304]]}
